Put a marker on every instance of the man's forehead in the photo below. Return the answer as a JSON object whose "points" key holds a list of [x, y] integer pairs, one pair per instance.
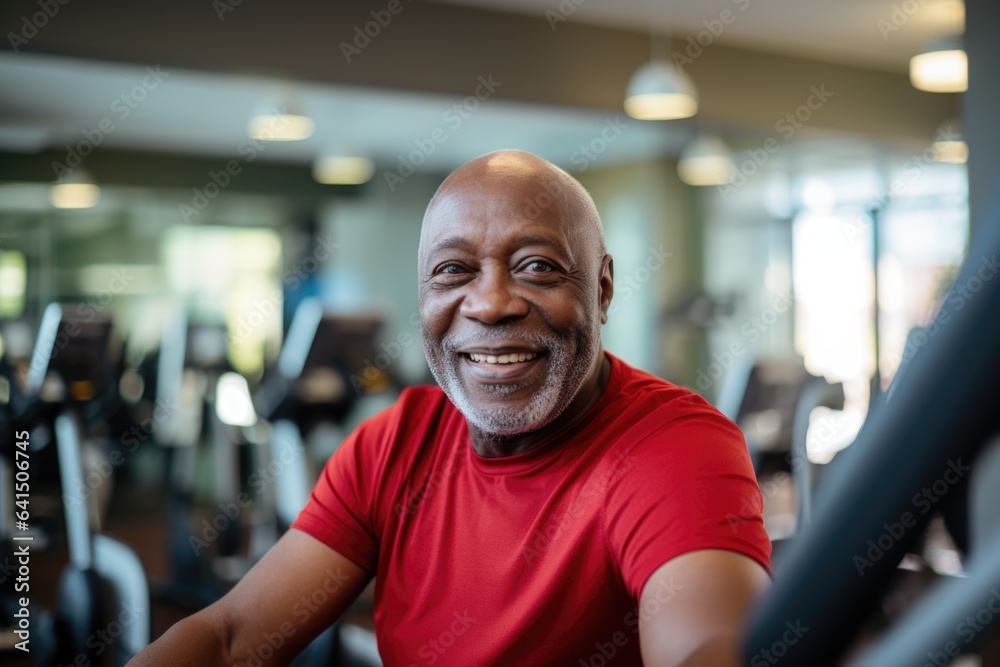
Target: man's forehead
{"points": [[507, 196], [513, 211], [466, 233]]}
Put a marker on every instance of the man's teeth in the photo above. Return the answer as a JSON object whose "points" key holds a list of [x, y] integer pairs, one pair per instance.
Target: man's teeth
{"points": [[503, 358]]}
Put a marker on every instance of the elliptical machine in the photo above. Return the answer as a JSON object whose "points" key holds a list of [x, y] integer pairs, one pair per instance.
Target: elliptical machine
{"points": [[306, 390], [102, 615], [205, 559]]}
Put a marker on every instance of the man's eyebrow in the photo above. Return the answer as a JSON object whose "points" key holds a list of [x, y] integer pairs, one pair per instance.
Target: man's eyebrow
{"points": [[450, 243], [459, 243], [541, 240]]}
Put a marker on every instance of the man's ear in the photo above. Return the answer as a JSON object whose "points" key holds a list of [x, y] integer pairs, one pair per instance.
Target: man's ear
{"points": [[606, 285]]}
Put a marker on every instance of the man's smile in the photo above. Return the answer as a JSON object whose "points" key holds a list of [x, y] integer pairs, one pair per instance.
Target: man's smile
{"points": [[512, 358], [503, 366]]}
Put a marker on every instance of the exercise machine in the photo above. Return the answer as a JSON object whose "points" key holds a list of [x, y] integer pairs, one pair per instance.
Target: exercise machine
{"points": [[102, 612], [308, 388], [206, 555], [772, 399], [918, 443]]}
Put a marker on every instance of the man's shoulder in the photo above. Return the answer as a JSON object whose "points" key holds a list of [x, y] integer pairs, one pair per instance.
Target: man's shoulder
{"points": [[651, 404], [415, 414], [638, 390]]}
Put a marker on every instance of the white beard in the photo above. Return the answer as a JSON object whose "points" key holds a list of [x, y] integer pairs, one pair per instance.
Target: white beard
{"points": [[568, 364]]}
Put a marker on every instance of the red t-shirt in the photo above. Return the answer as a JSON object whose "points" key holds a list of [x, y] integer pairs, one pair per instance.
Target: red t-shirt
{"points": [[537, 558]]}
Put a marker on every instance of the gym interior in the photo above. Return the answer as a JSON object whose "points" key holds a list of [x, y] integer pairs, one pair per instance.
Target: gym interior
{"points": [[209, 220]]}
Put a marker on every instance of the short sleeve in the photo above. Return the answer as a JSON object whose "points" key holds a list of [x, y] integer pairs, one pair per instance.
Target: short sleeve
{"points": [[339, 512], [685, 486]]}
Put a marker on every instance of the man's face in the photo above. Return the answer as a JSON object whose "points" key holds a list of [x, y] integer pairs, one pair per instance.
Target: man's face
{"points": [[510, 303]]}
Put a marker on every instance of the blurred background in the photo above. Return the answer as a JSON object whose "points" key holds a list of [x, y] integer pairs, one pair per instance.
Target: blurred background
{"points": [[234, 190]]}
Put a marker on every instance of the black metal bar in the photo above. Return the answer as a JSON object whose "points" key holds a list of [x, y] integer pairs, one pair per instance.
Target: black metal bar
{"points": [[876, 501]]}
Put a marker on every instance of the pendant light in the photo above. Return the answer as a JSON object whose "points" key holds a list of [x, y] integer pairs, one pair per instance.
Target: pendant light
{"points": [[77, 189], [943, 68], [659, 90]]}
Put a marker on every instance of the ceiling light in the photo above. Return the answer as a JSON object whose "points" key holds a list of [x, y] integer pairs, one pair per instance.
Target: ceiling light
{"points": [[286, 121], [280, 127], [77, 189], [943, 68], [343, 169], [706, 161], [955, 152], [660, 91]]}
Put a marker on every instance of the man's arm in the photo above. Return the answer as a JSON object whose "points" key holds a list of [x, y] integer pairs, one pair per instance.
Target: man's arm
{"points": [[298, 589], [692, 609]]}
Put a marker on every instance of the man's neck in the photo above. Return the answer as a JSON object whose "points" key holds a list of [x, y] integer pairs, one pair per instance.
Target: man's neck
{"points": [[597, 381]]}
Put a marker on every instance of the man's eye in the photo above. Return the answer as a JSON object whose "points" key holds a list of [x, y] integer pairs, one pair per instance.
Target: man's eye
{"points": [[451, 268], [538, 266]]}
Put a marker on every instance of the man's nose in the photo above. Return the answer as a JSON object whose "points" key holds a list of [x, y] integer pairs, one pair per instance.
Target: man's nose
{"points": [[493, 296]]}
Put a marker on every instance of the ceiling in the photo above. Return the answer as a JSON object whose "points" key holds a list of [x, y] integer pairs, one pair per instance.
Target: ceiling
{"points": [[53, 101], [882, 34], [61, 102]]}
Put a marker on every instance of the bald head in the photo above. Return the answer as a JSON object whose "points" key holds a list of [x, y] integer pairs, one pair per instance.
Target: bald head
{"points": [[528, 188], [514, 284]]}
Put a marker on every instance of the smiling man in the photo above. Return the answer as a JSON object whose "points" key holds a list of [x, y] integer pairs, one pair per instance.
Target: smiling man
{"points": [[546, 505]]}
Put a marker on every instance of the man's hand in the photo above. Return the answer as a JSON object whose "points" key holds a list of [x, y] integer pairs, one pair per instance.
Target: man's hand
{"points": [[298, 589], [693, 608]]}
